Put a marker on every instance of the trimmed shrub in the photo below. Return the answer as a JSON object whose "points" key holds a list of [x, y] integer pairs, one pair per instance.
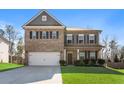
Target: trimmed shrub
{"points": [[78, 63], [93, 62], [86, 61], [62, 62], [81, 62], [101, 61]]}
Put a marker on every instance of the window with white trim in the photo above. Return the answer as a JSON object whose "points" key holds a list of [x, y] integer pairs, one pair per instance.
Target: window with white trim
{"points": [[92, 38], [54, 35], [44, 35], [44, 18], [92, 55], [82, 55], [81, 38], [69, 38], [33, 35]]}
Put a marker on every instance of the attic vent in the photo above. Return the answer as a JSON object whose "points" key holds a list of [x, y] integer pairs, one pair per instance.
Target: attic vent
{"points": [[44, 18]]}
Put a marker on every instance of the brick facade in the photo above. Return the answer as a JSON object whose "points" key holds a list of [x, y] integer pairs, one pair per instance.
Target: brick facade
{"points": [[57, 45]]}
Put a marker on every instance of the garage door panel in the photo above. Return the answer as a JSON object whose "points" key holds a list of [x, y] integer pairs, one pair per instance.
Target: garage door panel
{"points": [[44, 58]]}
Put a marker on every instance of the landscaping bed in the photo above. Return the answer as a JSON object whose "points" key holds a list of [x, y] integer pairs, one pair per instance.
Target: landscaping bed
{"points": [[85, 62], [8, 66], [117, 65]]}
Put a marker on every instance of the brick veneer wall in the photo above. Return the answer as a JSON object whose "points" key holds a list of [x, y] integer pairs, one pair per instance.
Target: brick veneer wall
{"points": [[44, 45]]}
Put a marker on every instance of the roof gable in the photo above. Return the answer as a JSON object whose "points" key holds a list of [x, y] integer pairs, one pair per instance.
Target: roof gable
{"points": [[37, 20]]}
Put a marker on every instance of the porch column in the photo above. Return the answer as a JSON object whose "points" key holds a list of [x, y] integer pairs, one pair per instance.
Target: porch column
{"points": [[64, 54], [78, 54]]}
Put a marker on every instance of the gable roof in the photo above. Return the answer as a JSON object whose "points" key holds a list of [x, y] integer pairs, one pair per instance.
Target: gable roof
{"points": [[36, 20], [3, 39]]}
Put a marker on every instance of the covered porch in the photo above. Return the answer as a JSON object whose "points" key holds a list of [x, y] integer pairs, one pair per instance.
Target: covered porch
{"points": [[71, 54]]}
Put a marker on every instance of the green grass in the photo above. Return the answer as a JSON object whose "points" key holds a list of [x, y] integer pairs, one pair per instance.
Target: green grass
{"points": [[91, 75], [7, 66]]}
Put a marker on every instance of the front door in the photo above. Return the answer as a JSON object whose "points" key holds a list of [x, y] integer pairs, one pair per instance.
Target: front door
{"points": [[70, 58]]}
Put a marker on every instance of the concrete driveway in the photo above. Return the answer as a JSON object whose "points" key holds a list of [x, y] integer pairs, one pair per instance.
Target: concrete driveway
{"points": [[32, 74]]}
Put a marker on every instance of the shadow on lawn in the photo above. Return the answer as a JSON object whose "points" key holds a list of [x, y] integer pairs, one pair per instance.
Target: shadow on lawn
{"points": [[87, 70]]}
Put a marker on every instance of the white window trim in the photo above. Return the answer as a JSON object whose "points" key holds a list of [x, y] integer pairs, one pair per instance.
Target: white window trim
{"points": [[81, 55], [92, 54], [69, 35], [80, 34], [91, 35], [54, 34], [33, 34], [44, 34], [44, 18]]}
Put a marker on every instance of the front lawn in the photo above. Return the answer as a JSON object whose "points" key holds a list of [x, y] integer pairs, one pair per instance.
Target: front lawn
{"points": [[91, 75], [7, 66]]}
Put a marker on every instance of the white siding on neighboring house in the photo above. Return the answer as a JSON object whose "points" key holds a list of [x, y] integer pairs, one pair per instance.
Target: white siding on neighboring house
{"points": [[4, 55]]}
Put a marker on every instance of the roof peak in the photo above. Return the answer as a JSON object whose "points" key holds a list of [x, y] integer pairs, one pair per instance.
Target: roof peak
{"points": [[40, 13]]}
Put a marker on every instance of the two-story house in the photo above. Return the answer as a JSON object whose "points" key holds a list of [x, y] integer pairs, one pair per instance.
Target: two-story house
{"points": [[47, 41]]}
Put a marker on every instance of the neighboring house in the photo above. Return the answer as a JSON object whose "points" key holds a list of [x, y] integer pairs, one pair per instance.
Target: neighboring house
{"points": [[4, 50], [47, 41]]}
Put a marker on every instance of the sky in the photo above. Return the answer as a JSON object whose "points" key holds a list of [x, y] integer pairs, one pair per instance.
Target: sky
{"points": [[111, 22]]}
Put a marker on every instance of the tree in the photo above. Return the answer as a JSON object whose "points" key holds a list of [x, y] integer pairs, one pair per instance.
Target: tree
{"points": [[20, 50], [122, 51], [1, 32], [113, 44], [106, 49], [116, 58], [20, 47], [12, 35]]}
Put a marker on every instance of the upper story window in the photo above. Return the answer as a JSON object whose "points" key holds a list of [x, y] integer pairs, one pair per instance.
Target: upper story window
{"points": [[54, 35], [92, 38], [44, 18], [33, 35], [81, 38], [92, 55], [69, 38], [44, 35]]}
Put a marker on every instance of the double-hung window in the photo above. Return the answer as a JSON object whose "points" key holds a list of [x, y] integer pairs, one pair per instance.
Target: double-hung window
{"points": [[92, 55], [44, 35], [92, 38], [69, 38], [82, 55], [81, 38], [54, 35], [33, 35]]}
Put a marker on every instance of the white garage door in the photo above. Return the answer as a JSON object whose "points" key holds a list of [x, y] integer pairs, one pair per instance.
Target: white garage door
{"points": [[44, 58]]}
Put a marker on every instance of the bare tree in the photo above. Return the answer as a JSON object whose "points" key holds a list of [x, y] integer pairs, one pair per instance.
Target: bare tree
{"points": [[20, 47], [105, 49], [20, 50], [12, 35], [114, 49], [1, 32], [122, 53]]}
